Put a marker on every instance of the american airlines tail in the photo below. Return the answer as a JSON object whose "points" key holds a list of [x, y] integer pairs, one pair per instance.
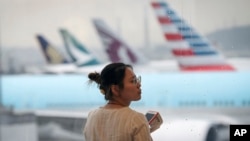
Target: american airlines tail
{"points": [[192, 51], [115, 47], [52, 55], [77, 51]]}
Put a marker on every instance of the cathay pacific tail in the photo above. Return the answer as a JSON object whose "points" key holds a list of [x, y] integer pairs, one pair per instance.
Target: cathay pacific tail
{"points": [[192, 51], [77, 51], [115, 46], [52, 55]]}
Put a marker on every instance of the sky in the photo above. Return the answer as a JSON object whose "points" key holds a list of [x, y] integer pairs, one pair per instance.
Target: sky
{"points": [[21, 20]]}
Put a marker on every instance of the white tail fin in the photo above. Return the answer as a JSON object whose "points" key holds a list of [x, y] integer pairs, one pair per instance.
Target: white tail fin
{"points": [[192, 51], [115, 47], [77, 51]]}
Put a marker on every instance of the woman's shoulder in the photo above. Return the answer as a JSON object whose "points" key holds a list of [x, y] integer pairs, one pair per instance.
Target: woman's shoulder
{"points": [[119, 111], [135, 114]]}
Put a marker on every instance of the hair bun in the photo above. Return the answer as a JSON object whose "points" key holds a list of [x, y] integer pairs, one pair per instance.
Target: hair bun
{"points": [[95, 77]]}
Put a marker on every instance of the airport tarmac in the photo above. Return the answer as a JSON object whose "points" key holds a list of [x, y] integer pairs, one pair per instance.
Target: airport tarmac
{"points": [[55, 125], [233, 115]]}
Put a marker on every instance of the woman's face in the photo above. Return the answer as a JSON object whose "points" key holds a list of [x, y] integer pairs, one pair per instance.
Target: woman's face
{"points": [[131, 87]]}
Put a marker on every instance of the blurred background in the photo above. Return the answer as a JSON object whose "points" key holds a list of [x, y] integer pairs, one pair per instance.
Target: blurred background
{"points": [[48, 47]]}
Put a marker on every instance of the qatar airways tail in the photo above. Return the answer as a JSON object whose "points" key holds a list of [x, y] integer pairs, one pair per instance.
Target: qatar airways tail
{"points": [[77, 51], [52, 55], [119, 51], [116, 48], [192, 51]]}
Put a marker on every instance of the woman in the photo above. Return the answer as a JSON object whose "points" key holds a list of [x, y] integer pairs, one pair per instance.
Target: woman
{"points": [[115, 121]]}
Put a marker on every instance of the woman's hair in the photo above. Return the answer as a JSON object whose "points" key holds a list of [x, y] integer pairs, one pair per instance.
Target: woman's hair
{"points": [[112, 74]]}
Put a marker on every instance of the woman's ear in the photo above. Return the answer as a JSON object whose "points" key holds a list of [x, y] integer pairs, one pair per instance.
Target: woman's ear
{"points": [[115, 90]]}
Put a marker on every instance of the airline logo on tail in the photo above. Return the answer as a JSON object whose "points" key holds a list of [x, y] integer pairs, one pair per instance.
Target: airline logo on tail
{"points": [[77, 52], [116, 48], [52, 55], [192, 51]]}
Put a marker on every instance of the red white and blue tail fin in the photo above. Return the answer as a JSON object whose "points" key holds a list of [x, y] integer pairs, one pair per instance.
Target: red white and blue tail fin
{"points": [[115, 46], [192, 51], [52, 55]]}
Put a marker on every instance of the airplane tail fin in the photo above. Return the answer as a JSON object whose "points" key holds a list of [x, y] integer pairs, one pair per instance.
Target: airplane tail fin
{"points": [[77, 51], [192, 51], [115, 47], [52, 55]]}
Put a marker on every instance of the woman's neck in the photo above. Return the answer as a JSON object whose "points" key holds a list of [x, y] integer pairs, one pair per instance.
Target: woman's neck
{"points": [[115, 103]]}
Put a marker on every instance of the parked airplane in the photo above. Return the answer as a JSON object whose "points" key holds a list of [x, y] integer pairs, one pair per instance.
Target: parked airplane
{"points": [[192, 51], [115, 46], [77, 51], [56, 61], [80, 57], [52, 55], [195, 94], [118, 50]]}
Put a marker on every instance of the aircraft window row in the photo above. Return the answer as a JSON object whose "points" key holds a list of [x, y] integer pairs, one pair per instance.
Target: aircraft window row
{"points": [[216, 103], [224, 103], [193, 103], [246, 103]]}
